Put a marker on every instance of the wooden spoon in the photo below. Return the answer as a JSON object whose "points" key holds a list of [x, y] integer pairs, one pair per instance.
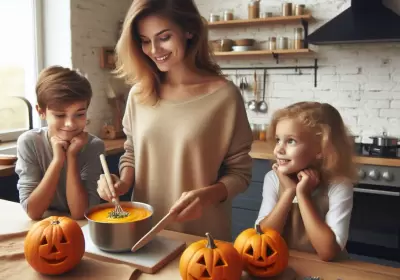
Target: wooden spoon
{"points": [[169, 218]]}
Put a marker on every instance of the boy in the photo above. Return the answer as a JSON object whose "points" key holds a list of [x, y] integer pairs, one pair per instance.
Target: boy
{"points": [[58, 165]]}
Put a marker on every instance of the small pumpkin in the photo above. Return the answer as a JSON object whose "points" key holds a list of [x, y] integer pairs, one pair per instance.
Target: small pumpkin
{"points": [[210, 259], [54, 245], [264, 254]]}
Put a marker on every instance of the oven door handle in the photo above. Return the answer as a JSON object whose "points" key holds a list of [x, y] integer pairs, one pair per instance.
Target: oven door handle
{"points": [[389, 193]]}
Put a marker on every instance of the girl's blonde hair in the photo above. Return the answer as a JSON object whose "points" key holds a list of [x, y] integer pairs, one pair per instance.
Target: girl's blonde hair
{"points": [[137, 68], [325, 122]]}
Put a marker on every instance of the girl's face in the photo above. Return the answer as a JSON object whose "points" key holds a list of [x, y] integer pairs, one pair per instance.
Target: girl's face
{"points": [[163, 41], [296, 147]]}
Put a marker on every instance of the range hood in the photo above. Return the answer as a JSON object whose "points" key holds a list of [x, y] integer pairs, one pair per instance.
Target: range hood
{"points": [[366, 21]]}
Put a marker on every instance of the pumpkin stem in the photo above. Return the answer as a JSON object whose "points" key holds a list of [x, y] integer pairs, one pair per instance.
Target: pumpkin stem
{"points": [[211, 243], [258, 229], [55, 222]]}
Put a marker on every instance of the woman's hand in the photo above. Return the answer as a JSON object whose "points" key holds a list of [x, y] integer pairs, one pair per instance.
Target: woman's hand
{"points": [[191, 204], [308, 181], [107, 192]]}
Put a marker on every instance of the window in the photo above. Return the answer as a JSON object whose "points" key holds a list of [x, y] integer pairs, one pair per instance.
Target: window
{"points": [[20, 61]]}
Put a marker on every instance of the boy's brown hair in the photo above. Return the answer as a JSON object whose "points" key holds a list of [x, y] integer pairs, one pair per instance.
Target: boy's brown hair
{"points": [[60, 86]]}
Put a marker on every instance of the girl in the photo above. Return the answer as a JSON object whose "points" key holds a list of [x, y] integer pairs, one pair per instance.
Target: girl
{"points": [[188, 137], [308, 196]]}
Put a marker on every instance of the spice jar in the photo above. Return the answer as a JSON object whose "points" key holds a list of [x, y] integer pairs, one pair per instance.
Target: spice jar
{"points": [[286, 9], [228, 15], [299, 9], [282, 43], [272, 43], [254, 130], [267, 14], [262, 132], [214, 17], [254, 9], [298, 38]]}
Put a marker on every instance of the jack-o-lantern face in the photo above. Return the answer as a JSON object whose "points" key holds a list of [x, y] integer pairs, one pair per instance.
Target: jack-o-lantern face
{"points": [[263, 254], [54, 245], [210, 260]]}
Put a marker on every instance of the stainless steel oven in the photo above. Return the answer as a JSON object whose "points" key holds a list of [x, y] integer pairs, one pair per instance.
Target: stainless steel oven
{"points": [[375, 220]]}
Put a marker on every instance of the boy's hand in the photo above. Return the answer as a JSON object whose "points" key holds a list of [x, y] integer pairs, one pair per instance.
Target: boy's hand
{"points": [[308, 181], [287, 182], [59, 148], [77, 143]]}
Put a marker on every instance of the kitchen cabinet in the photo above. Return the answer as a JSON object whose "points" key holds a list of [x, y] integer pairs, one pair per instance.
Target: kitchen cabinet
{"points": [[246, 205]]}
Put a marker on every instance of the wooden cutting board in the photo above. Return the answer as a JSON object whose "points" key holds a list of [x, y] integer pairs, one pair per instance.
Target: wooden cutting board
{"points": [[149, 259]]}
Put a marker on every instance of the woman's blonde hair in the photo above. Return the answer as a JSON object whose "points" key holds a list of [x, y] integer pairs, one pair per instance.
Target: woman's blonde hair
{"points": [[137, 68], [325, 122]]}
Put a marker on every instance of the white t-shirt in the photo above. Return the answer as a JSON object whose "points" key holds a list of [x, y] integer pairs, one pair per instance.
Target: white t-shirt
{"points": [[340, 205]]}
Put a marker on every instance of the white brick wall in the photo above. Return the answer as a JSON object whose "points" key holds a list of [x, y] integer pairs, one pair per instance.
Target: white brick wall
{"points": [[94, 25], [362, 81]]}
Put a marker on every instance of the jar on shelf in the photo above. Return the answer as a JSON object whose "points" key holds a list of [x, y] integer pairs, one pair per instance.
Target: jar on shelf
{"points": [[262, 132], [255, 131], [214, 17], [299, 9], [228, 15], [272, 43], [286, 9], [253, 9], [283, 43], [298, 38]]}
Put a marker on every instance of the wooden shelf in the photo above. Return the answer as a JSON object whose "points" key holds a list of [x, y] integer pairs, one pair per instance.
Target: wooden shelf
{"points": [[269, 20], [263, 52]]}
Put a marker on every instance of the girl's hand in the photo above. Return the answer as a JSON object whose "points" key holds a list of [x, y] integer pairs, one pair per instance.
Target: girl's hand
{"points": [[308, 181], [287, 182], [190, 205], [109, 192]]}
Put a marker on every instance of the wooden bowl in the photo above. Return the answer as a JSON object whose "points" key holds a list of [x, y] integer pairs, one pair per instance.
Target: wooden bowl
{"points": [[244, 42], [7, 159]]}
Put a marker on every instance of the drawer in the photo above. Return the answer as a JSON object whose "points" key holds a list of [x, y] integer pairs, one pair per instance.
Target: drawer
{"points": [[260, 168], [242, 219], [251, 198]]}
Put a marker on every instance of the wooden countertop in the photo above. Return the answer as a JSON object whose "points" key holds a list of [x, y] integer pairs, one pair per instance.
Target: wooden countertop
{"points": [[259, 150], [302, 264]]}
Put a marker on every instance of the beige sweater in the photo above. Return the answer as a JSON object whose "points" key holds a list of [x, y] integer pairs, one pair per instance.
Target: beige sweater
{"points": [[178, 146]]}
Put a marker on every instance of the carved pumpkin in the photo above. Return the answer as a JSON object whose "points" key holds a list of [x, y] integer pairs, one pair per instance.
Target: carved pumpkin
{"points": [[263, 254], [54, 245], [209, 259]]}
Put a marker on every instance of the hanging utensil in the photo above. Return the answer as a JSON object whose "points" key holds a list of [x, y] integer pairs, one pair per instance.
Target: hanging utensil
{"points": [[252, 105], [262, 105]]}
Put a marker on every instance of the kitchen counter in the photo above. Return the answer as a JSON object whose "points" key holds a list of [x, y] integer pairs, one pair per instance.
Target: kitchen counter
{"points": [[302, 264], [262, 150], [259, 150]]}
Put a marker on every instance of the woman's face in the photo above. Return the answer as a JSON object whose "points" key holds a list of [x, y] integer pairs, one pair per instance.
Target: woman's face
{"points": [[163, 41]]}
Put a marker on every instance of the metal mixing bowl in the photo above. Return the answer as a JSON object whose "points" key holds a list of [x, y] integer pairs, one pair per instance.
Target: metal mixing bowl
{"points": [[118, 237]]}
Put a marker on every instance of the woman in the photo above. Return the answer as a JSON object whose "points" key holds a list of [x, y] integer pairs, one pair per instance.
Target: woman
{"points": [[188, 136]]}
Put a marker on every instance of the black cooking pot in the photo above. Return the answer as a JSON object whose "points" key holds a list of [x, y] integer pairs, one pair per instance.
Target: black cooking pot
{"points": [[385, 141]]}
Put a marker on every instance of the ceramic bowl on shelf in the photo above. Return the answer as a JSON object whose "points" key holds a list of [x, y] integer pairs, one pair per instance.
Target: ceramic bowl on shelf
{"points": [[242, 48], [244, 42]]}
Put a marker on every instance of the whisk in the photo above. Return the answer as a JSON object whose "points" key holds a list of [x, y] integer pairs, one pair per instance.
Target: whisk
{"points": [[118, 211]]}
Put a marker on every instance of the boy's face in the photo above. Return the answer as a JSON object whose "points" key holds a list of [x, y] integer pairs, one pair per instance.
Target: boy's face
{"points": [[65, 121]]}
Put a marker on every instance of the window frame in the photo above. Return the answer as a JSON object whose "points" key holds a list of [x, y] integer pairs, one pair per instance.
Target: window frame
{"points": [[30, 97]]}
